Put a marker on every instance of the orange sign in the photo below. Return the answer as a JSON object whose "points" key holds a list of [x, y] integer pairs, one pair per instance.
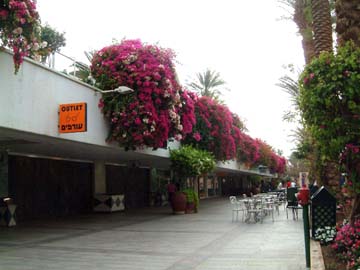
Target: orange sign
{"points": [[72, 117]]}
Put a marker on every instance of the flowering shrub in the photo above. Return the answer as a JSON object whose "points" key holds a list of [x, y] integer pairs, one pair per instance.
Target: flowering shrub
{"points": [[19, 28], [325, 235], [265, 152], [330, 105], [280, 164], [214, 129], [330, 100], [248, 150], [275, 162], [158, 109], [347, 244], [220, 132], [257, 152]]}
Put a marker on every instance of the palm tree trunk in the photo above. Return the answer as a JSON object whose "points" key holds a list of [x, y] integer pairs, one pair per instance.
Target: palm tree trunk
{"points": [[303, 22], [309, 50], [321, 26], [348, 21]]}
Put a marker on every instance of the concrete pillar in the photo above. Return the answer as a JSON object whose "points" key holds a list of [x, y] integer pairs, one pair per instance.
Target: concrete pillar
{"points": [[99, 177], [4, 174], [219, 180]]}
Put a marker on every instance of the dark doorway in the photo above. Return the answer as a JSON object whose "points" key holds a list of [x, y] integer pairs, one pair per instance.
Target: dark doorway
{"points": [[134, 183], [50, 188]]}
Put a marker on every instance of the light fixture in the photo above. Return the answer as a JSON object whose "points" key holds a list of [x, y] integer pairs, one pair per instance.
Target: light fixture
{"points": [[123, 90]]}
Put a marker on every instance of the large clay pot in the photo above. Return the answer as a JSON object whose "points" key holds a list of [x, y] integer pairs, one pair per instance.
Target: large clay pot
{"points": [[179, 203]]}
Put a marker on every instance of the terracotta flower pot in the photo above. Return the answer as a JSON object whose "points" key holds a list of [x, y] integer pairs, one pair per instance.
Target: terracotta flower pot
{"points": [[179, 203]]}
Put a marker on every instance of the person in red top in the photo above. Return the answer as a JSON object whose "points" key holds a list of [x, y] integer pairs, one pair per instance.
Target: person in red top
{"points": [[171, 189], [288, 184]]}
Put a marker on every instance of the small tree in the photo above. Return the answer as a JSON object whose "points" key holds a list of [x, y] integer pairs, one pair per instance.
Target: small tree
{"points": [[188, 161], [54, 41]]}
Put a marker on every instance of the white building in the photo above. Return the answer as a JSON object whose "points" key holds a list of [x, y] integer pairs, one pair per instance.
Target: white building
{"points": [[52, 173]]}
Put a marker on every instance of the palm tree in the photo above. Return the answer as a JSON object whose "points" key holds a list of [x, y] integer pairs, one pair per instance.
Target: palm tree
{"points": [[322, 29], [348, 21], [209, 83], [313, 18]]}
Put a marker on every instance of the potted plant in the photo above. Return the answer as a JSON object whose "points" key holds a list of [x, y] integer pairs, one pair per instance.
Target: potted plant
{"points": [[190, 162], [178, 203], [192, 201]]}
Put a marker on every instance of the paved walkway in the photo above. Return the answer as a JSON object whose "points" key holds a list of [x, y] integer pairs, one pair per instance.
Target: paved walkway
{"points": [[154, 239]]}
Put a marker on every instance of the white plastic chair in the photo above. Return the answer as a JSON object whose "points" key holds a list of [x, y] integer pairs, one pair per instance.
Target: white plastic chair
{"points": [[268, 208], [237, 206]]}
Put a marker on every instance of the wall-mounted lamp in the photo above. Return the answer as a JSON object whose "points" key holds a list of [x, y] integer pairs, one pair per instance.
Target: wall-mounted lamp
{"points": [[123, 90]]}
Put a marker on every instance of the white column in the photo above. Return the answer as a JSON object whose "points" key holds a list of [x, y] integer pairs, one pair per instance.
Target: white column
{"points": [[99, 177]]}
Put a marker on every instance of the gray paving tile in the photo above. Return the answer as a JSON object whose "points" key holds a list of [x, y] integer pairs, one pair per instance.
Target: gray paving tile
{"points": [[155, 239]]}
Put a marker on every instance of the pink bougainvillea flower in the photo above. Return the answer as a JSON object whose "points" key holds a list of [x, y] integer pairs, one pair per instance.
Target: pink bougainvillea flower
{"points": [[197, 136], [159, 108], [101, 103], [4, 14], [306, 80], [138, 121], [19, 23]]}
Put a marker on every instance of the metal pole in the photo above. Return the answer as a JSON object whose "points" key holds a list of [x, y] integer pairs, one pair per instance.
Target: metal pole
{"points": [[306, 234]]}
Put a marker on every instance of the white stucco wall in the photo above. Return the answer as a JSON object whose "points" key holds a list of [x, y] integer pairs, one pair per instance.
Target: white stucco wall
{"points": [[29, 101]]}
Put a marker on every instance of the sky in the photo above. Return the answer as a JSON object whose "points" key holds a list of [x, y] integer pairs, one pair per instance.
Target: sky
{"points": [[247, 42]]}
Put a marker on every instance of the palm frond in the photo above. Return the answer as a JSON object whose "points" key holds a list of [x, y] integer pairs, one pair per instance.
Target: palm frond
{"points": [[208, 83]]}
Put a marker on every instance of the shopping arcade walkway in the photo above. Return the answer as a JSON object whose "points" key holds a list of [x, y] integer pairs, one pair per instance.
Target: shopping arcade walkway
{"points": [[153, 239]]}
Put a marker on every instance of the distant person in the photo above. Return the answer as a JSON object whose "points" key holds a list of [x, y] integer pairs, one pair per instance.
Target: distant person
{"points": [[288, 184], [171, 189]]}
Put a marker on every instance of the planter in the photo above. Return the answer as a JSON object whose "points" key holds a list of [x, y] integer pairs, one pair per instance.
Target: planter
{"points": [[179, 203], [190, 208]]}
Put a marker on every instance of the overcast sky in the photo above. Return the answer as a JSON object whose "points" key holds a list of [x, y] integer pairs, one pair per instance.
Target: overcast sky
{"points": [[243, 40]]}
